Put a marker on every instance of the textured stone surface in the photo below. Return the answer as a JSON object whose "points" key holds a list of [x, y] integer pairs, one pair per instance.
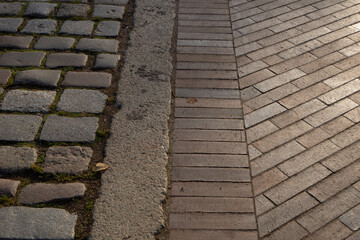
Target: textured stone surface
{"points": [[98, 45], [54, 60], [108, 11], [58, 43], [15, 42], [83, 28], [352, 218], [111, 2], [1, 90], [79, 100], [43, 193], [15, 159], [4, 76], [27, 101], [69, 160], [65, 129], [39, 9], [106, 61], [10, 9], [20, 128], [10, 25], [21, 59], [87, 79], [36, 223], [42, 78], [73, 10], [40, 26], [107, 29], [8, 187]]}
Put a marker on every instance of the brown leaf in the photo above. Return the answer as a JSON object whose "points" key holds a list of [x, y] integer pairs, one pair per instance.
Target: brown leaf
{"points": [[101, 167], [191, 100]]}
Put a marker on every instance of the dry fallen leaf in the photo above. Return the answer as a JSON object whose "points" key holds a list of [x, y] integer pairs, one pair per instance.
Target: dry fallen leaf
{"points": [[100, 167], [191, 100]]}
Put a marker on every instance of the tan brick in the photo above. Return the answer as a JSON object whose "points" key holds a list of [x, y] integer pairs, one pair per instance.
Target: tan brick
{"points": [[352, 218], [248, 38], [259, 102], [325, 11], [341, 92], [208, 135], [249, 93], [205, 50], [290, 24], [245, 14], [332, 47], [285, 212], [273, 158], [203, 11], [242, 60], [355, 236], [262, 204], [351, 50], [205, 66], [279, 37], [195, 123], [210, 174], [259, 26], [343, 157], [209, 147], [347, 137], [312, 138], [311, 25], [321, 62], [251, 67], [348, 62], [272, 60], [205, 58], [296, 184], [316, 77], [355, 97], [206, 83], [273, 4], [209, 160], [271, 50], [263, 114], [204, 43], [309, 35], [293, 63], [279, 80], [286, 118], [280, 137], [254, 78], [253, 152], [176, 234], [247, 48], [344, 22], [291, 231], [260, 130], [329, 210], [333, 231], [337, 125], [335, 35], [347, 11], [207, 103], [206, 74], [300, 49], [301, 3], [296, 13], [242, 23], [354, 115], [343, 77], [308, 158], [267, 180], [282, 91], [270, 14], [203, 36]]}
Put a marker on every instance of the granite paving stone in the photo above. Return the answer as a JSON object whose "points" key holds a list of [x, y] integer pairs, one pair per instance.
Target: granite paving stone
{"points": [[10, 25], [108, 11], [54, 43], [69, 160], [15, 41], [104, 61], [87, 79], [73, 10], [27, 101], [98, 45], [111, 2], [41, 78], [4, 76], [43, 193], [10, 9], [66, 129], [40, 26], [36, 223], [19, 128], [15, 159], [83, 28], [8, 187], [39, 9], [21, 59], [107, 29], [55, 60], [81, 100]]}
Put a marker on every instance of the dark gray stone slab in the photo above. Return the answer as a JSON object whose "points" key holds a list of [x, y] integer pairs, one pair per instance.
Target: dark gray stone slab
{"points": [[10, 9], [21, 59], [15, 41], [16, 159], [42, 78], [73, 10], [108, 11], [8, 187], [107, 29], [81, 100], [27, 101], [10, 25], [36, 223], [19, 128], [87, 79], [104, 61], [56, 43], [4, 76], [66, 59], [40, 26], [83, 28], [98, 45], [66, 129], [43, 193], [39, 9], [69, 160], [111, 2]]}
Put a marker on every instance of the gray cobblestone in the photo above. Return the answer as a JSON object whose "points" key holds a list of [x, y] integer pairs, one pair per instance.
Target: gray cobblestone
{"points": [[59, 129], [43, 193], [19, 128], [36, 223], [81, 100], [42, 78], [21, 59], [4, 76], [10, 25], [15, 159], [56, 43], [8, 187], [98, 45], [10, 9], [40, 26], [83, 28], [66, 59], [106, 61], [87, 79], [15, 41], [69, 160], [73, 10], [39, 9], [27, 101], [107, 29], [108, 11]]}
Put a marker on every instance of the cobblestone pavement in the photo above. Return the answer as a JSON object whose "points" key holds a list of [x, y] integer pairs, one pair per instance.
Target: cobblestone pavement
{"points": [[296, 63], [57, 60]]}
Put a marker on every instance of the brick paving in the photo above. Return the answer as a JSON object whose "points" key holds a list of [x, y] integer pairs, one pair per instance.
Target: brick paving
{"points": [[266, 134]]}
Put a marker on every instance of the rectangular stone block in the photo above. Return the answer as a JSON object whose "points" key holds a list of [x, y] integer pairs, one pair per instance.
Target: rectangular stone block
{"points": [[186, 174]]}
